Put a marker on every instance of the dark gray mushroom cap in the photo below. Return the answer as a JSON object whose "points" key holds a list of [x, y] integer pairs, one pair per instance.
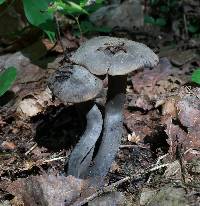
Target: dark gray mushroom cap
{"points": [[73, 83], [114, 56]]}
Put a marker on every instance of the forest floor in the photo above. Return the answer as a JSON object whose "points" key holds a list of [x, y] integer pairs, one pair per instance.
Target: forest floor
{"points": [[159, 157]]}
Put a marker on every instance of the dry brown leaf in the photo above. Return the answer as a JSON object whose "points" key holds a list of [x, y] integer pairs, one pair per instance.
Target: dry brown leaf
{"points": [[34, 104], [47, 190]]}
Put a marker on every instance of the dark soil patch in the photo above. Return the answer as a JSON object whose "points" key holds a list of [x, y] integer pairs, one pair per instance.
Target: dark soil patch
{"points": [[59, 128]]}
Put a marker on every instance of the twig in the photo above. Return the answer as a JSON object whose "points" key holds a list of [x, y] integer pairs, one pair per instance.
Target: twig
{"points": [[160, 158], [191, 92], [106, 189], [179, 156], [193, 151], [79, 27], [158, 167], [127, 146], [31, 149], [59, 36], [130, 146], [54, 159]]}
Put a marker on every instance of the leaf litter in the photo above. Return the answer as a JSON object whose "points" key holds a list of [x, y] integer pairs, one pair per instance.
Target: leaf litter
{"points": [[160, 146]]}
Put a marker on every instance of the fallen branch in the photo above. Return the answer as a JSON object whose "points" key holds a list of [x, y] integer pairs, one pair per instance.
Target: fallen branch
{"points": [[104, 190]]}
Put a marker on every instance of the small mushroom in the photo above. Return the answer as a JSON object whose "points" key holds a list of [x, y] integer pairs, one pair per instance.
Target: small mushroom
{"points": [[115, 57], [73, 83]]}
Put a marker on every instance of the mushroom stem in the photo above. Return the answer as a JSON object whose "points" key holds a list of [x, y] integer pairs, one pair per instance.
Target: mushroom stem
{"points": [[113, 127], [81, 156]]}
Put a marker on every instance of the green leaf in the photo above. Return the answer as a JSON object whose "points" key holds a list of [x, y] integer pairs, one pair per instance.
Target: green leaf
{"points": [[193, 28], [149, 20], [164, 9], [69, 8], [154, 2], [76, 7], [160, 22], [37, 15], [7, 78], [2, 1], [83, 3], [173, 3], [196, 76]]}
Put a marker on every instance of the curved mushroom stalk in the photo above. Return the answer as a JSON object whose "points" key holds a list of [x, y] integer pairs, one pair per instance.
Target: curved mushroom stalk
{"points": [[81, 156], [111, 137]]}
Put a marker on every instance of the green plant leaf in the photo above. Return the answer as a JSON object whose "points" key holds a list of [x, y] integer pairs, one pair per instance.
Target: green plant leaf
{"points": [[193, 28], [149, 20], [37, 15], [164, 9], [161, 22], [172, 3], [83, 3], [7, 78], [153, 2], [2, 1], [76, 7], [69, 8], [196, 76]]}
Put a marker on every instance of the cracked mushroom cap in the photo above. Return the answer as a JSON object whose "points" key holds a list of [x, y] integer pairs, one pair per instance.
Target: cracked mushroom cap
{"points": [[73, 83], [114, 56]]}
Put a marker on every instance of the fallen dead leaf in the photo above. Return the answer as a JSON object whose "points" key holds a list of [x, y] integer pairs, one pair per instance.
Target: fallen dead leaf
{"points": [[141, 125], [182, 57], [155, 85], [133, 138], [113, 198], [8, 145], [47, 190], [34, 104], [183, 123], [169, 108]]}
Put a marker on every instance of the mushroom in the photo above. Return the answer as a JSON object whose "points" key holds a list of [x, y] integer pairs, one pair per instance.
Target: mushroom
{"points": [[115, 57], [73, 83]]}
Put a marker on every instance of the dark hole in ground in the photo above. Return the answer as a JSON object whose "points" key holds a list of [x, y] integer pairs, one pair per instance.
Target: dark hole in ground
{"points": [[5, 196], [7, 97], [135, 109], [178, 122], [59, 128], [158, 140]]}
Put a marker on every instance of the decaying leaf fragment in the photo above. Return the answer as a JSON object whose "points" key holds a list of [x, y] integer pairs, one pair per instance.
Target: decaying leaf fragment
{"points": [[46, 190], [34, 104], [183, 129]]}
